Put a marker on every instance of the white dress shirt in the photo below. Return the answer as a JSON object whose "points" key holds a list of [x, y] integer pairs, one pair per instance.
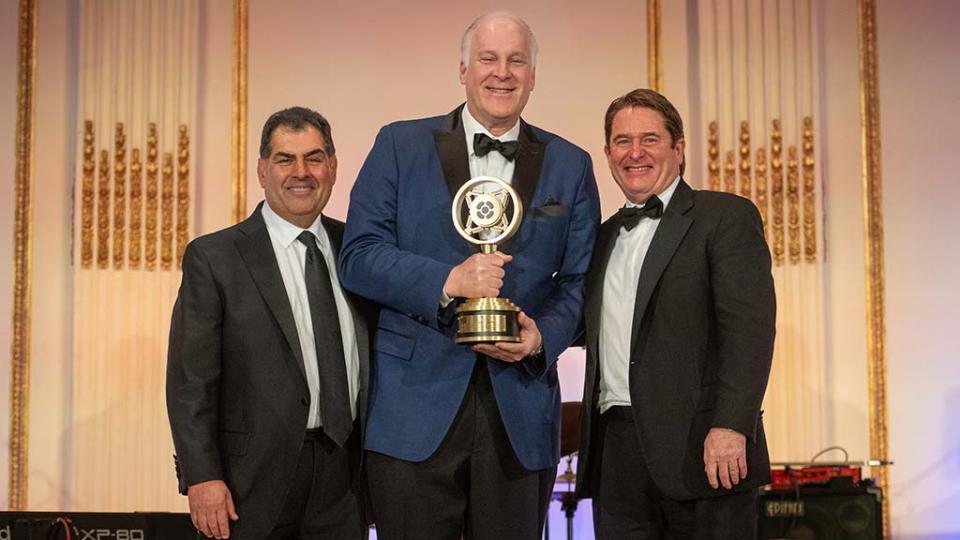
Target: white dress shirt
{"points": [[291, 257], [619, 295]]}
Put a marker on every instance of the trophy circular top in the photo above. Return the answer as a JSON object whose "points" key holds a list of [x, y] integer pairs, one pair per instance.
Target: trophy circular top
{"points": [[486, 220]]}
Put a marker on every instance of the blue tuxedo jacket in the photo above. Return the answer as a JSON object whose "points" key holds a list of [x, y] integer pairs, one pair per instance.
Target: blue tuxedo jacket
{"points": [[399, 246]]}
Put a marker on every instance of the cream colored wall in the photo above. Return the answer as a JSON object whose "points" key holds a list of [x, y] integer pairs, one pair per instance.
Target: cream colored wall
{"points": [[919, 99], [843, 203], [50, 368], [363, 65], [8, 121], [213, 202]]}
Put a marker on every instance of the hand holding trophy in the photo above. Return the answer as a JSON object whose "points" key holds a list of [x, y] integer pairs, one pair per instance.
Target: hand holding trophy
{"points": [[480, 215]]}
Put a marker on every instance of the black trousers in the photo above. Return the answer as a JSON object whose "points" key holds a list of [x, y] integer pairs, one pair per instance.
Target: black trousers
{"points": [[628, 504], [473, 486], [323, 503]]}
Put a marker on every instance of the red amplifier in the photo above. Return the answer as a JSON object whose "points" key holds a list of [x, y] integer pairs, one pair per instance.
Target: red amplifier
{"points": [[791, 477]]}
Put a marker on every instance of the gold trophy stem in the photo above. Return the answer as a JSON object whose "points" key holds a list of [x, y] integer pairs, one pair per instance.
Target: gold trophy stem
{"points": [[488, 248]]}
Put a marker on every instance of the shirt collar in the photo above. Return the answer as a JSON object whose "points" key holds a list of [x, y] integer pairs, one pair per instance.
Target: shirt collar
{"points": [[471, 127], [287, 232], [664, 195]]}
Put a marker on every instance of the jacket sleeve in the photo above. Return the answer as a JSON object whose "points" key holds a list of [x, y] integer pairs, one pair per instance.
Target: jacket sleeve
{"points": [[558, 316], [193, 371], [745, 314], [371, 262]]}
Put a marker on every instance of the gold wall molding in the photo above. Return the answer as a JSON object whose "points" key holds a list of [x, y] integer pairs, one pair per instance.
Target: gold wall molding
{"points": [[136, 209], [119, 195], [183, 192], [238, 169], [873, 245], [654, 45], [713, 156], [729, 173], [776, 189], [761, 169], [103, 210], [746, 181], [22, 251], [86, 196], [793, 204], [809, 194], [166, 212], [153, 196]]}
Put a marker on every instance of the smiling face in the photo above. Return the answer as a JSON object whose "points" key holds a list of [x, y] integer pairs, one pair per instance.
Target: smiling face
{"points": [[498, 73], [298, 175], [642, 157]]}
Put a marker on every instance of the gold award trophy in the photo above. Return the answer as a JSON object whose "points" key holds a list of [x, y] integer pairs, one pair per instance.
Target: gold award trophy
{"points": [[480, 216]]}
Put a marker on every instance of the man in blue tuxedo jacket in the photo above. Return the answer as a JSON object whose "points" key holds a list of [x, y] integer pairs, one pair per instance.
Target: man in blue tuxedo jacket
{"points": [[460, 440]]}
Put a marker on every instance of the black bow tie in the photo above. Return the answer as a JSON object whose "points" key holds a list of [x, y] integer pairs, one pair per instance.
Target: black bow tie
{"points": [[483, 144], [630, 215]]}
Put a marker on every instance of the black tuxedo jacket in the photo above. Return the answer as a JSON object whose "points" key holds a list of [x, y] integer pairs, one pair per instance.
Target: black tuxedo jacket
{"points": [[701, 346], [237, 394]]}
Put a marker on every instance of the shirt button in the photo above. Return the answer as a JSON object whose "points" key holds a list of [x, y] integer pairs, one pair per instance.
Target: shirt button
{"points": [[304, 401]]}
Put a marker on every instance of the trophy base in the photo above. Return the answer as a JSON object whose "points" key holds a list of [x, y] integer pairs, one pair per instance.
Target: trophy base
{"points": [[487, 320]]}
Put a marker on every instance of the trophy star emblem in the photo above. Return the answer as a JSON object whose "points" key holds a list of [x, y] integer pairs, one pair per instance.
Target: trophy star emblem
{"points": [[487, 211]]}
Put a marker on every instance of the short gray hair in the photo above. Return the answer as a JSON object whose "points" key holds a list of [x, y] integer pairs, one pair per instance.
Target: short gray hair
{"points": [[468, 34]]}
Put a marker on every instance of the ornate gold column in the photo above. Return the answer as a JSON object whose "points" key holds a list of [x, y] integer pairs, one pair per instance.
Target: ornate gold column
{"points": [[238, 167], [23, 229], [654, 46], [873, 245]]}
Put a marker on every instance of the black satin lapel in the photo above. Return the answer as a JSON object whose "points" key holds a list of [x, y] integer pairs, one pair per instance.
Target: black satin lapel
{"points": [[673, 227], [452, 150], [257, 252], [526, 172], [334, 231]]}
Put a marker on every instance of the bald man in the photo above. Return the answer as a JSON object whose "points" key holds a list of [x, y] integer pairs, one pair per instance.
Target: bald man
{"points": [[461, 440]]}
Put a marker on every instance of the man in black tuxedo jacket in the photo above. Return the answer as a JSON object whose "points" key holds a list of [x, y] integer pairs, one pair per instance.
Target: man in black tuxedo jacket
{"points": [[267, 368], [680, 320]]}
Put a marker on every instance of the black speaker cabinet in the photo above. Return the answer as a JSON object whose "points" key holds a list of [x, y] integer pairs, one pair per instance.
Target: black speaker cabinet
{"points": [[822, 513]]}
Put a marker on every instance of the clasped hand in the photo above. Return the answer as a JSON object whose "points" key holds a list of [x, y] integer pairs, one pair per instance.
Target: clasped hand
{"points": [[481, 275]]}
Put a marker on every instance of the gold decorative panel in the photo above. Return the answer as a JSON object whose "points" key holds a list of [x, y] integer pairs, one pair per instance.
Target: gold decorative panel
{"points": [[745, 179], [809, 194], [166, 212], [788, 204], [761, 187], [776, 189], [103, 211], [146, 220], [713, 157], [136, 210], [119, 195], [183, 192], [153, 196], [729, 173], [87, 196]]}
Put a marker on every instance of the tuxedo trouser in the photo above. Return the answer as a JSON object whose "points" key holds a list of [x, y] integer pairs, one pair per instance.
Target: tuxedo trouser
{"points": [[473, 486], [323, 503], [628, 505]]}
